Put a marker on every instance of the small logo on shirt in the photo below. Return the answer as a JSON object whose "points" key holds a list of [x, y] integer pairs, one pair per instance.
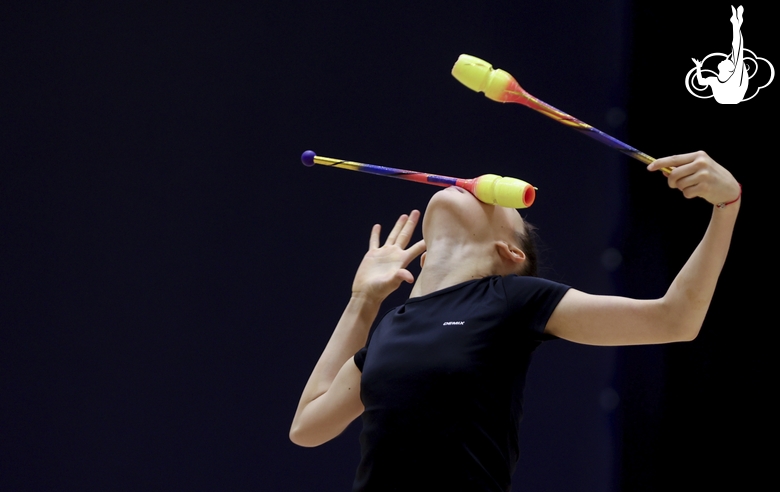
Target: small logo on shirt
{"points": [[448, 323]]}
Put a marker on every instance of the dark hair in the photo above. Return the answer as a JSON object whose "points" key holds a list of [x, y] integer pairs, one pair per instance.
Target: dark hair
{"points": [[526, 241]]}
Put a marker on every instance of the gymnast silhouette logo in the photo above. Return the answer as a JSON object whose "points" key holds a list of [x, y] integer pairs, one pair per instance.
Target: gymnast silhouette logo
{"points": [[735, 71]]}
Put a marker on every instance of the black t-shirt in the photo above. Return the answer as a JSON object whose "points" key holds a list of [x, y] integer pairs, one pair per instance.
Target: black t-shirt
{"points": [[442, 385]]}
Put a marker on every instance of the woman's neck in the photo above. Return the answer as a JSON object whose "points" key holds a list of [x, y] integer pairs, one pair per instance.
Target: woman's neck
{"points": [[449, 263]]}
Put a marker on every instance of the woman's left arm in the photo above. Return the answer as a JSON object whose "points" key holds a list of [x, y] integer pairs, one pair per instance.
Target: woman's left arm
{"points": [[679, 314]]}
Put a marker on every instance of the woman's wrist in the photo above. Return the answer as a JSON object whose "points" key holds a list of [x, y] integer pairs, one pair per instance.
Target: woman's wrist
{"points": [[726, 204]]}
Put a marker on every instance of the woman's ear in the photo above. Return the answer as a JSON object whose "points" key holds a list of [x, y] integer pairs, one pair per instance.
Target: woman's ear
{"points": [[509, 252]]}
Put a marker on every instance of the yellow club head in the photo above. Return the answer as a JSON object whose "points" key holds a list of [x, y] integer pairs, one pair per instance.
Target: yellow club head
{"points": [[480, 76], [504, 191]]}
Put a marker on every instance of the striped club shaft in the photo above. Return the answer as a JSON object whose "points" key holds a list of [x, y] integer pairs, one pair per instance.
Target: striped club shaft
{"points": [[392, 172], [514, 93]]}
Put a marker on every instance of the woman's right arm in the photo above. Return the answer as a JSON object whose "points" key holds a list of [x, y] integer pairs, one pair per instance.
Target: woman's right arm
{"points": [[331, 398]]}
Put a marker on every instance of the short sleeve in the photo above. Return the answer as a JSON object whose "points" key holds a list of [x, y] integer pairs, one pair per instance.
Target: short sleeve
{"points": [[360, 358], [532, 300]]}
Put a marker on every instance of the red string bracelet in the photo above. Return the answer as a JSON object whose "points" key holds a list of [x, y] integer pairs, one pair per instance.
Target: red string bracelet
{"points": [[724, 204]]}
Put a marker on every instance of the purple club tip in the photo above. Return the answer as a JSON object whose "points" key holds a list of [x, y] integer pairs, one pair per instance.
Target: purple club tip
{"points": [[308, 158]]}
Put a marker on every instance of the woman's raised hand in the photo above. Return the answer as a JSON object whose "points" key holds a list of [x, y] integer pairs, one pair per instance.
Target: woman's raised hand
{"points": [[698, 175], [384, 267]]}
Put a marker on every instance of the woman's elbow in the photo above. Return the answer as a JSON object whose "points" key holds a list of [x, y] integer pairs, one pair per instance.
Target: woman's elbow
{"points": [[320, 421], [691, 333], [681, 331], [302, 438], [687, 336], [683, 323]]}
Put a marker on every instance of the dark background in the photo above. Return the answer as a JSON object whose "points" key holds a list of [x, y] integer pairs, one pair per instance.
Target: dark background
{"points": [[170, 272]]}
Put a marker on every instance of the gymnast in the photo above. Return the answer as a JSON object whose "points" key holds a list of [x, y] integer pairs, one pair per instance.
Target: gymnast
{"points": [[439, 384]]}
